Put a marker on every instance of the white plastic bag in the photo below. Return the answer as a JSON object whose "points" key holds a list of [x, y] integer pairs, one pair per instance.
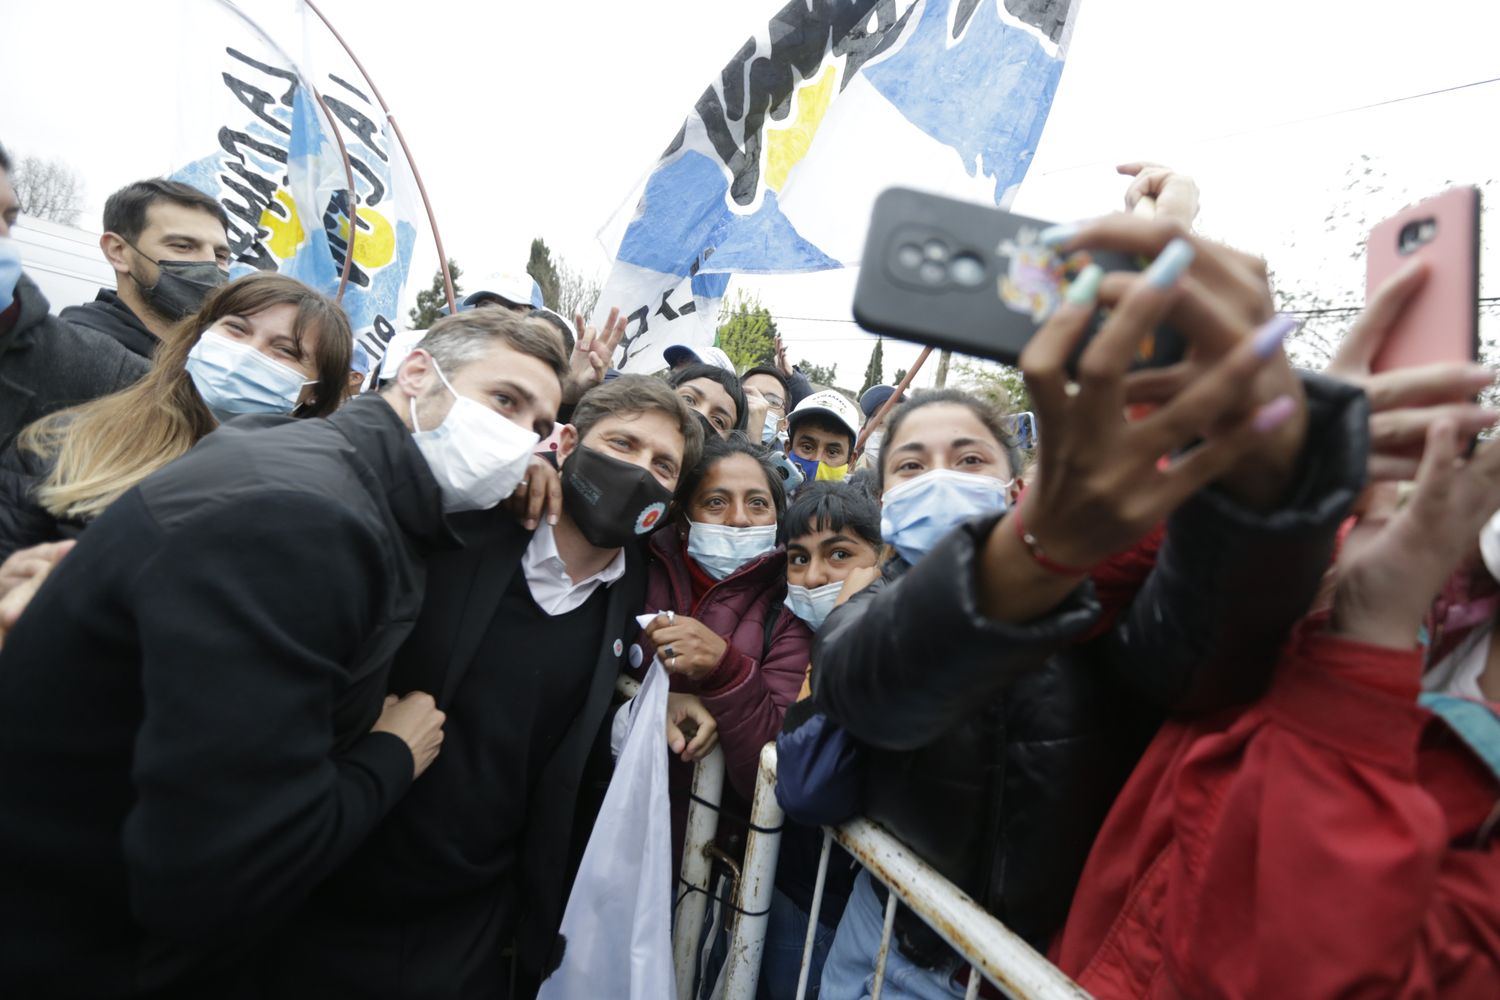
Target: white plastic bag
{"points": [[617, 928]]}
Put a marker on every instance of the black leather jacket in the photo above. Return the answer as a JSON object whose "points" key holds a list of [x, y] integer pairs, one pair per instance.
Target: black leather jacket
{"points": [[995, 751]]}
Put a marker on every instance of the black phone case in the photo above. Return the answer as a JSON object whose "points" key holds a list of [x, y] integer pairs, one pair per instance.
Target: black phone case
{"points": [[972, 278]]}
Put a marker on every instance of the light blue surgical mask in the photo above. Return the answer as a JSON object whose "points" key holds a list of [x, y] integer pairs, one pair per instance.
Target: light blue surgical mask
{"points": [[10, 271], [768, 432], [813, 606], [234, 378], [721, 549], [920, 511]]}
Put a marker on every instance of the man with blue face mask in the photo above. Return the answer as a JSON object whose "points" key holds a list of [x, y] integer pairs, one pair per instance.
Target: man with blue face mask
{"points": [[821, 434], [45, 364], [197, 730]]}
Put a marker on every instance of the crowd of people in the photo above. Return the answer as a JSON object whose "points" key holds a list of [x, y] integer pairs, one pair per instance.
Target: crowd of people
{"points": [[308, 672]]}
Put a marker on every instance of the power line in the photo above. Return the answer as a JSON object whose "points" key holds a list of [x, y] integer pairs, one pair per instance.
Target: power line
{"points": [[1299, 121]]}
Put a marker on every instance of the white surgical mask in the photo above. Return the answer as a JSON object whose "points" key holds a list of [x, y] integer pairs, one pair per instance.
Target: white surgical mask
{"points": [[813, 606], [721, 549], [234, 378], [920, 511], [477, 456], [1489, 545], [768, 431], [872, 444]]}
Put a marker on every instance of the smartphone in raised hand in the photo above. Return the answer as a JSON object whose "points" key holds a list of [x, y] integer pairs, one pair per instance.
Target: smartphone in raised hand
{"points": [[1441, 323], [973, 278]]}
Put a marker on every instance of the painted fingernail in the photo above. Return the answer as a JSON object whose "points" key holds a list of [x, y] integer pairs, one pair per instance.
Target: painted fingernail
{"points": [[1085, 288], [1170, 263], [1268, 339], [1275, 413], [1056, 236]]}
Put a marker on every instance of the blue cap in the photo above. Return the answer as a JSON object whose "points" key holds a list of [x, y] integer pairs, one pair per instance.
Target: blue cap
{"points": [[875, 397]]}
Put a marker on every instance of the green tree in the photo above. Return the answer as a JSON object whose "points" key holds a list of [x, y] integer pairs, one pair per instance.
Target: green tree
{"points": [[541, 267], [747, 333], [896, 378], [432, 300], [875, 370], [999, 385], [817, 374]]}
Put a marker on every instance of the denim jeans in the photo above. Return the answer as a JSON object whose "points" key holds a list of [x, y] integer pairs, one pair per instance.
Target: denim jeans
{"points": [[849, 970], [781, 962]]}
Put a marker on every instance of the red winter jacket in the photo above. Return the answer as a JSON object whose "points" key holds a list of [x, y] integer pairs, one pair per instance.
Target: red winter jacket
{"points": [[748, 696], [1323, 842]]}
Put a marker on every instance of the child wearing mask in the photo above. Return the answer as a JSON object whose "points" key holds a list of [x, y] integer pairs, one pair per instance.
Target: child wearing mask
{"points": [[833, 549]]}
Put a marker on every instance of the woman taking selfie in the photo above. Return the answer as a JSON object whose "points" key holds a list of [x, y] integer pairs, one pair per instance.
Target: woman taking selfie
{"points": [[265, 344]]}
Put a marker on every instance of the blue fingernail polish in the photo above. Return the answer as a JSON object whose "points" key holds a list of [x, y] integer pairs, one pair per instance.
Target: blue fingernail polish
{"points": [[1267, 340], [1056, 236], [1170, 263], [1085, 288]]}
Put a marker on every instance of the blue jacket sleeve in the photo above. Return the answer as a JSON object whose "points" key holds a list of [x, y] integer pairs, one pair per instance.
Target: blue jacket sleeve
{"points": [[819, 769]]}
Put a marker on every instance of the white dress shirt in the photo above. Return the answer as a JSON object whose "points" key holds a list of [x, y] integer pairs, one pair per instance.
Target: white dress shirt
{"points": [[551, 587]]}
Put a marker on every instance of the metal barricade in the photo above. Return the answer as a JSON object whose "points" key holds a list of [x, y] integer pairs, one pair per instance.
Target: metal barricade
{"points": [[993, 951]]}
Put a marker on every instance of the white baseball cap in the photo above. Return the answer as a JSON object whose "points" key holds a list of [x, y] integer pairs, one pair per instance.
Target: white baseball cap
{"points": [[831, 402], [516, 288], [707, 355], [396, 351]]}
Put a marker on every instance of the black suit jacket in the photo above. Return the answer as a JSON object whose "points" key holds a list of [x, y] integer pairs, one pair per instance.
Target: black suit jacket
{"points": [[368, 927]]}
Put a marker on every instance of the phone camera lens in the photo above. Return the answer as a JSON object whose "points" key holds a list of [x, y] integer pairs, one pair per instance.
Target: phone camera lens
{"points": [[967, 270], [933, 273], [936, 251], [909, 256]]}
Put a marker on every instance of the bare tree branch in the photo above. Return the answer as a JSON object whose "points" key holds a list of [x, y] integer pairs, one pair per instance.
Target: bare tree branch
{"points": [[48, 189]]}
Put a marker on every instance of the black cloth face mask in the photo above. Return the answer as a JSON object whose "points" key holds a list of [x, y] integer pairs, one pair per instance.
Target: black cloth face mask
{"points": [[611, 501], [181, 285]]}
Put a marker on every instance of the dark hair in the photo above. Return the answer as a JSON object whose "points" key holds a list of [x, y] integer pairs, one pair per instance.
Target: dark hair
{"points": [[456, 340], [557, 323], [992, 419], [715, 450], [631, 395], [125, 211], [840, 506], [821, 421], [786, 387], [4, 160], [714, 373]]}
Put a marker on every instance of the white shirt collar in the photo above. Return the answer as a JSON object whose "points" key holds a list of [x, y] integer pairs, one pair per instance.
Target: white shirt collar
{"points": [[551, 587]]}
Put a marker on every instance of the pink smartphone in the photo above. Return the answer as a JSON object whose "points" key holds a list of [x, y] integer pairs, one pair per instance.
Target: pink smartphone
{"points": [[1442, 322]]}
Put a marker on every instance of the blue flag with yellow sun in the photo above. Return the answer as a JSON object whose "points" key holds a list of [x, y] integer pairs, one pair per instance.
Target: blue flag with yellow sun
{"points": [[777, 166]]}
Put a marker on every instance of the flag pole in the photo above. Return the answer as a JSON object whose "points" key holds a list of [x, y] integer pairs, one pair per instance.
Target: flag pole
{"points": [[890, 404], [405, 150]]}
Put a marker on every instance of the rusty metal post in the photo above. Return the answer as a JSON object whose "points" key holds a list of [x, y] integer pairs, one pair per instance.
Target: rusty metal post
{"points": [[692, 891], [747, 932], [812, 917]]}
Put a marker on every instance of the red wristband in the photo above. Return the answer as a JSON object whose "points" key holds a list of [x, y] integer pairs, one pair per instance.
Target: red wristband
{"points": [[1034, 547]]}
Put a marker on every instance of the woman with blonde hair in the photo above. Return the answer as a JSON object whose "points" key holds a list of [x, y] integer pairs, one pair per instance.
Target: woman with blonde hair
{"points": [[265, 344]]}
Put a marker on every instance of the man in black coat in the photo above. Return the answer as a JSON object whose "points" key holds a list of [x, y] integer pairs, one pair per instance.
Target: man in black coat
{"points": [[521, 639], [45, 364], [169, 246], [186, 707]]}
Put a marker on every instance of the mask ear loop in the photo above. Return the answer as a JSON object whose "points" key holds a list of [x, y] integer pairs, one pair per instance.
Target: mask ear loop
{"points": [[446, 384]]}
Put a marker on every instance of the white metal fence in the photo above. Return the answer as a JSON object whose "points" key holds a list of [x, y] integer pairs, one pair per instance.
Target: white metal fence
{"points": [[992, 950]]}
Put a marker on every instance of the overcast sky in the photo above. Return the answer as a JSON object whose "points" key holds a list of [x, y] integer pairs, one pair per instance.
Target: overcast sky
{"points": [[538, 118]]}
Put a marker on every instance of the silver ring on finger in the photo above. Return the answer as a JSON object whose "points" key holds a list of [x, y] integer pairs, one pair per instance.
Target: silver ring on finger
{"points": [[670, 653], [524, 484], [672, 662]]}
